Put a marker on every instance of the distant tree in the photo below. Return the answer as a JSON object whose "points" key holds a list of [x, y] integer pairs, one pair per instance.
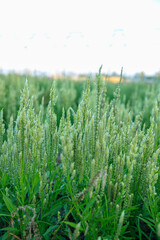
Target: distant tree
{"points": [[157, 76], [114, 74], [139, 76], [142, 75]]}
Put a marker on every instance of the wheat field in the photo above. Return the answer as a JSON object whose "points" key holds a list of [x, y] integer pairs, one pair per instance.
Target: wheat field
{"points": [[79, 160]]}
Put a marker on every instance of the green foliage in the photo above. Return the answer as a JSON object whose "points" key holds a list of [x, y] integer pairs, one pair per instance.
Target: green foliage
{"points": [[80, 166]]}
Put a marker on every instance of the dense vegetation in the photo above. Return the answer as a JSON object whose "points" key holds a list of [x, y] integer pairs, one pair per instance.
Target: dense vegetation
{"points": [[83, 165]]}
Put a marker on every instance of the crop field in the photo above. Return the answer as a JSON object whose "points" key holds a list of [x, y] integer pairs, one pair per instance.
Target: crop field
{"points": [[79, 160]]}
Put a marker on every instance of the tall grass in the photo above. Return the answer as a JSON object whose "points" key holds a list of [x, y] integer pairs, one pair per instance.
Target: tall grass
{"points": [[94, 175]]}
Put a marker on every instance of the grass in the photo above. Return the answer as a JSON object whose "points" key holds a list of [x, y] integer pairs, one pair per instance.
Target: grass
{"points": [[89, 171]]}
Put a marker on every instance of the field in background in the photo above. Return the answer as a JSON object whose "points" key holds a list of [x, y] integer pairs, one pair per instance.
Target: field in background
{"points": [[137, 95], [79, 159]]}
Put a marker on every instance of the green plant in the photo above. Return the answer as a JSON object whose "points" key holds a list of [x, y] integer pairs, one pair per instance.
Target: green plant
{"points": [[71, 168]]}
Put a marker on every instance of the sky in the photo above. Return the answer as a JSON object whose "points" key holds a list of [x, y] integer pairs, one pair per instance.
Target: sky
{"points": [[78, 36]]}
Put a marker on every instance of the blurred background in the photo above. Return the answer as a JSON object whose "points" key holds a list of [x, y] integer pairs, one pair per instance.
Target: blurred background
{"points": [[59, 37]]}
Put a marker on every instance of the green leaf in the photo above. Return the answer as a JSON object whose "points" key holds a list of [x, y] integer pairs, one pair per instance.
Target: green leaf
{"points": [[4, 180], [89, 206], [150, 224], [51, 228], [73, 225], [54, 210], [4, 215], [11, 207], [5, 236], [35, 180]]}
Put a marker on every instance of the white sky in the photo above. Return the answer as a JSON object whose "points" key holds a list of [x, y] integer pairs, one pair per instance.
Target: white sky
{"points": [[80, 35]]}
